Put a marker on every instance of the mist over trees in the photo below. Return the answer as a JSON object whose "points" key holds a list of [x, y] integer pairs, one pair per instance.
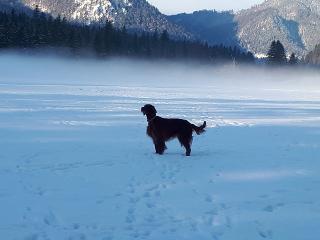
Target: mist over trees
{"points": [[39, 31], [313, 57]]}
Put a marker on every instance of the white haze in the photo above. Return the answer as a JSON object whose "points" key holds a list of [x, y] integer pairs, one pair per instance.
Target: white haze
{"points": [[222, 81], [223, 94], [76, 162]]}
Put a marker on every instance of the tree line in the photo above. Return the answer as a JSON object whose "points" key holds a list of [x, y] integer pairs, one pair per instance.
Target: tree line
{"points": [[19, 30], [277, 55]]}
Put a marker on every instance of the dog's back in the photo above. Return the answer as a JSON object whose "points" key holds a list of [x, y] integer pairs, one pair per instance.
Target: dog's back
{"points": [[173, 127]]}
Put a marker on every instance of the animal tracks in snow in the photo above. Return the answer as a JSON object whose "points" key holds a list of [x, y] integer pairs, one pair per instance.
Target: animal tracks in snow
{"points": [[76, 163]]}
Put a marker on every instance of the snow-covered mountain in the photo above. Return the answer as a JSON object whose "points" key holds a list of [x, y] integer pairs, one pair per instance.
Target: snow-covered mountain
{"points": [[136, 15], [296, 23]]}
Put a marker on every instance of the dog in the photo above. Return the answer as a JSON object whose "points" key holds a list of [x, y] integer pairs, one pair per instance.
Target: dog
{"points": [[162, 130]]}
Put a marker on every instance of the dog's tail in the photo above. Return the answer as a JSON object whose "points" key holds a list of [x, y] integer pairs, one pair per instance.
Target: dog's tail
{"points": [[200, 130]]}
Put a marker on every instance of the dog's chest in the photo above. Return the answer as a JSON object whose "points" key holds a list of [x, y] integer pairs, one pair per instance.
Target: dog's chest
{"points": [[150, 130]]}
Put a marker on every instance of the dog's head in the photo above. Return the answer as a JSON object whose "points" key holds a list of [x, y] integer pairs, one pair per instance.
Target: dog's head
{"points": [[149, 110]]}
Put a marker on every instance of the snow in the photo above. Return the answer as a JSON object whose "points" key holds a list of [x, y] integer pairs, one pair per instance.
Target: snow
{"points": [[261, 55], [76, 162], [91, 10], [97, 10]]}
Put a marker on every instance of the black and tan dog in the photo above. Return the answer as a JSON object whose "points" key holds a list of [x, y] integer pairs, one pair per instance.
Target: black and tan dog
{"points": [[164, 129]]}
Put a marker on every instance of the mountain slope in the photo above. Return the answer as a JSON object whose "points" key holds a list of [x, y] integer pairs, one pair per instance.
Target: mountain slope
{"points": [[296, 23], [211, 26], [137, 15]]}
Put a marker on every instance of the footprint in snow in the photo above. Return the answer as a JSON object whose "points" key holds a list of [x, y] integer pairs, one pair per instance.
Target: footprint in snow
{"points": [[76, 226], [80, 236], [271, 208], [265, 234], [131, 189], [150, 219], [108, 238], [268, 208], [32, 237], [262, 232], [134, 200], [209, 199], [264, 196], [50, 219], [135, 235], [150, 205], [146, 195], [157, 193], [194, 226], [130, 218], [217, 235]]}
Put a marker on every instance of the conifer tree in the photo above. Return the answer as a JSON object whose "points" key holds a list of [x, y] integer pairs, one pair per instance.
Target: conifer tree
{"points": [[277, 53], [293, 59], [98, 43]]}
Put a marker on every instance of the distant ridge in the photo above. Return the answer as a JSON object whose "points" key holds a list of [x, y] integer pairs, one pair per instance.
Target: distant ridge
{"points": [[210, 26], [136, 15], [296, 23]]}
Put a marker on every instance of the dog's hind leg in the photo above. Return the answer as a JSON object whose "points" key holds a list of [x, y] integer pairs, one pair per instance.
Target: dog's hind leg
{"points": [[186, 141]]}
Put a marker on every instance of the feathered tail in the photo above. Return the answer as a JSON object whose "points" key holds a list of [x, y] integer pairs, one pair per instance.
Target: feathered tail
{"points": [[199, 130]]}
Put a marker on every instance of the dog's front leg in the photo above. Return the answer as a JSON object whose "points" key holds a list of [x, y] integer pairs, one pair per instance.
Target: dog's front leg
{"points": [[160, 146]]}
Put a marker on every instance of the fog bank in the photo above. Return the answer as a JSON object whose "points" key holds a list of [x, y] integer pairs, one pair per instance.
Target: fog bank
{"points": [[175, 79]]}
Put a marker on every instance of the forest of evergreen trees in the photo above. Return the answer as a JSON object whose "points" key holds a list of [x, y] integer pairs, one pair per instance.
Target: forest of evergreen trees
{"points": [[277, 55], [40, 31]]}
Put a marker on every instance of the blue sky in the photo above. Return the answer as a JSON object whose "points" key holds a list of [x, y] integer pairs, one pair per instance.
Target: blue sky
{"points": [[178, 6]]}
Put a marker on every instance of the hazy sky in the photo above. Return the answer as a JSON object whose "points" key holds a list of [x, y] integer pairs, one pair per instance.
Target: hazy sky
{"points": [[178, 6]]}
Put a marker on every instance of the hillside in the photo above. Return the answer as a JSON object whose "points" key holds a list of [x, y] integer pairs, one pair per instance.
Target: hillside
{"points": [[136, 15], [294, 22], [210, 26]]}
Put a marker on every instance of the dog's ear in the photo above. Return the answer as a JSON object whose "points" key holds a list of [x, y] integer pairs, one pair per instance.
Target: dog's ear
{"points": [[143, 111], [154, 109]]}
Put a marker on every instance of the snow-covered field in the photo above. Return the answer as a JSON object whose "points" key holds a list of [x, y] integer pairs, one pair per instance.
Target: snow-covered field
{"points": [[75, 162]]}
